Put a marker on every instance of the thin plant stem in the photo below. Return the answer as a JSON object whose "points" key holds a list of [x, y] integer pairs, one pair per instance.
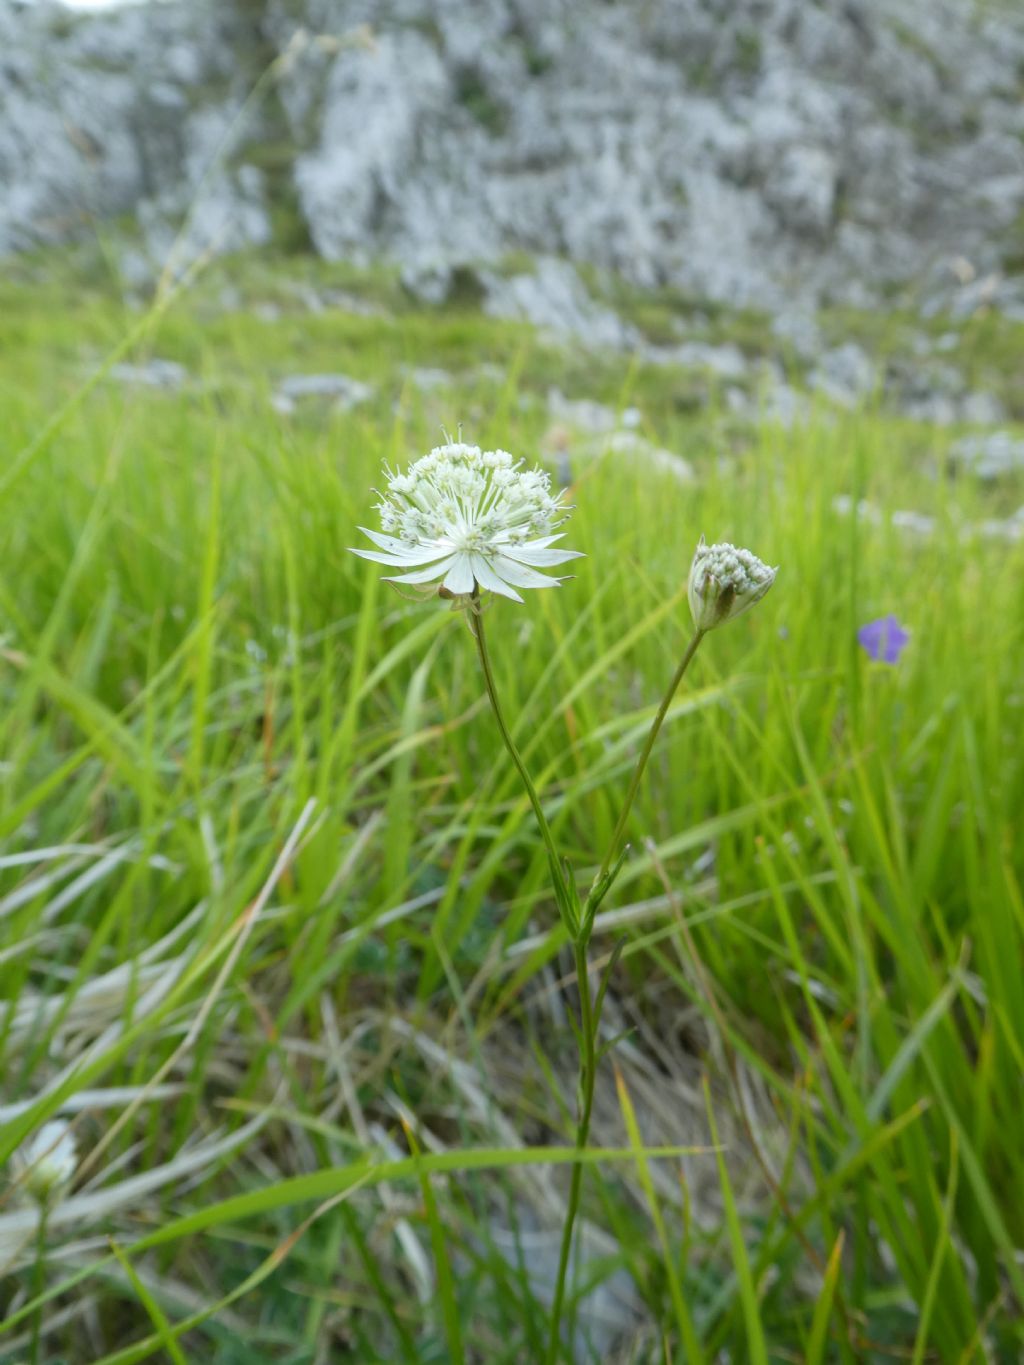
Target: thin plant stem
{"points": [[476, 623], [587, 1076], [588, 1041], [588, 1073], [39, 1281], [587, 1058], [645, 753], [587, 1034]]}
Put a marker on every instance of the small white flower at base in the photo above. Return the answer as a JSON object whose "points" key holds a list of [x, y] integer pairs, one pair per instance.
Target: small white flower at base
{"points": [[724, 582], [468, 519], [46, 1161]]}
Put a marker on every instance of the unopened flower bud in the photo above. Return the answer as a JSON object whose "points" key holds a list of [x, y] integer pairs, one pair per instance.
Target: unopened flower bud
{"points": [[724, 582], [46, 1161]]}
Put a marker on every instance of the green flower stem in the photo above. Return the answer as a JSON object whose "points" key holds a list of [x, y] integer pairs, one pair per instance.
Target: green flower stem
{"points": [[39, 1281], [588, 1059], [588, 1072], [579, 931], [476, 623], [638, 771], [588, 1039]]}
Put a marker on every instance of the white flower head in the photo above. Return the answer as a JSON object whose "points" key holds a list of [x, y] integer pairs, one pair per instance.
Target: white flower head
{"points": [[466, 518], [46, 1161], [724, 582]]}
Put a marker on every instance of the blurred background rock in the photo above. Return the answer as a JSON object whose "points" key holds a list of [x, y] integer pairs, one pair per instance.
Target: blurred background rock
{"points": [[774, 154]]}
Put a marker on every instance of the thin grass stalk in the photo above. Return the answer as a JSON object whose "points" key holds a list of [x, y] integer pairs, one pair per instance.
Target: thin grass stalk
{"points": [[588, 1073]]}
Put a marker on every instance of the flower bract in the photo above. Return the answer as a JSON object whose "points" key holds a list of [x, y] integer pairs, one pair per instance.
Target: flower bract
{"points": [[724, 582], [47, 1160], [467, 519]]}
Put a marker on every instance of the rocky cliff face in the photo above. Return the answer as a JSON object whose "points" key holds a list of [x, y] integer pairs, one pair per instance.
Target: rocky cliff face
{"points": [[749, 151], [125, 113]]}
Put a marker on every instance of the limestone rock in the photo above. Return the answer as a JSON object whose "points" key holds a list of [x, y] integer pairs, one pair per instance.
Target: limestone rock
{"points": [[765, 153], [154, 374], [988, 457], [846, 374], [554, 299], [341, 390]]}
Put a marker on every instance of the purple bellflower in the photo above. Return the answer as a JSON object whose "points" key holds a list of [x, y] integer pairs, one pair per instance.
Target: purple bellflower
{"points": [[884, 640]]}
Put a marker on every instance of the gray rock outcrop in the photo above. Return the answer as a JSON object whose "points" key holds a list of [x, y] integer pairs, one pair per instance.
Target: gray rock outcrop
{"points": [[126, 112], [755, 152]]}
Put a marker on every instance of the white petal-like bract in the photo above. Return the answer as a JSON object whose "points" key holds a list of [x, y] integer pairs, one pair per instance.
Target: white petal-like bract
{"points": [[46, 1161], [470, 519]]}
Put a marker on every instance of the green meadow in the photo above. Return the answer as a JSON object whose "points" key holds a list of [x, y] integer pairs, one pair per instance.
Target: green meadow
{"points": [[276, 931]]}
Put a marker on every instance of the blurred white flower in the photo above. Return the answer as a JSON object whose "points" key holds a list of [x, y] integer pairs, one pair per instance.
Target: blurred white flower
{"points": [[46, 1161], [724, 582], [463, 517]]}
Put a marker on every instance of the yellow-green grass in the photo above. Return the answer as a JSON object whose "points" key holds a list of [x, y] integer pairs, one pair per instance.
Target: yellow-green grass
{"points": [[191, 657]]}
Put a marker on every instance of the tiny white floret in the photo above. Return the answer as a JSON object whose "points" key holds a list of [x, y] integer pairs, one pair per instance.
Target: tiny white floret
{"points": [[46, 1162], [724, 582], [467, 520]]}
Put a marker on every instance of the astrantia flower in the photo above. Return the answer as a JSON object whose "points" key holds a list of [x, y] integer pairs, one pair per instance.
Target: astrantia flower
{"points": [[46, 1161], [724, 582], [884, 639], [467, 518]]}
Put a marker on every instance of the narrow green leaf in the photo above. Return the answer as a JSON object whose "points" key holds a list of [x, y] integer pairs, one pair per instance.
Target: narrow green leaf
{"points": [[684, 1320], [157, 1316], [818, 1339], [442, 1265], [741, 1264]]}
